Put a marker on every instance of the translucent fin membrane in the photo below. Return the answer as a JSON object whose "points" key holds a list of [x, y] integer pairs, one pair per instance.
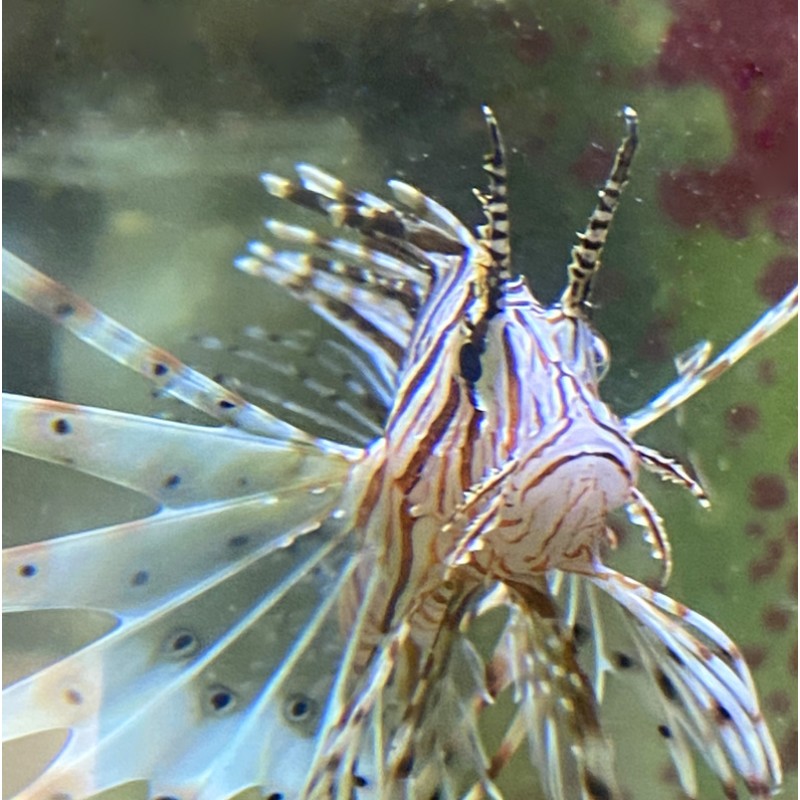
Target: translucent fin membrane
{"points": [[692, 381], [162, 369], [233, 671], [174, 463], [704, 683], [330, 388]]}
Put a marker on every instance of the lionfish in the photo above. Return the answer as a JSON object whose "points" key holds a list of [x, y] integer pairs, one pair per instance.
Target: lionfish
{"points": [[297, 617]]}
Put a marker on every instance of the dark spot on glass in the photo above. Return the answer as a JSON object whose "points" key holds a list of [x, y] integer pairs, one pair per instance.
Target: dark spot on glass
{"points": [[159, 369], [624, 661], [226, 405], [140, 578], [274, 796], [360, 781], [172, 481], [61, 426], [665, 731], [239, 540], [64, 310], [666, 686], [242, 482], [28, 570], [597, 788]]}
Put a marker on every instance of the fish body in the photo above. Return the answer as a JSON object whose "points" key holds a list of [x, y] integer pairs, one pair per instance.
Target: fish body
{"points": [[298, 614]]}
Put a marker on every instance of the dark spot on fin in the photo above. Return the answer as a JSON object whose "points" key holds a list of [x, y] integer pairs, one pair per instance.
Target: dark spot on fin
{"points": [[667, 686], [675, 657], [172, 481], [61, 426], [221, 698], [140, 578], [299, 707], [597, 788], [723, 715], [624, 661], [580, 633], [405, 766], [181, 644]]}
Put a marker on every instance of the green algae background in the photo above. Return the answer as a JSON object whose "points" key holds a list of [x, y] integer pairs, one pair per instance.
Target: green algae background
{"points": [[134, 134]]}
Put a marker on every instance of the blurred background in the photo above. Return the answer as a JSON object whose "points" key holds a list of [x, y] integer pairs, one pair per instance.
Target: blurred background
{"points": [[134, 133]]}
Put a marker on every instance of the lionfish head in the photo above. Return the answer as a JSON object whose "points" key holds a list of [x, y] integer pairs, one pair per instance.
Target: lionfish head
{"points": [[533, 373]]}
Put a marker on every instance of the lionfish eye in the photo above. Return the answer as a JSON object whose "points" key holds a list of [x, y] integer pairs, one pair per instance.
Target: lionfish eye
{"points": [[601, 356]]}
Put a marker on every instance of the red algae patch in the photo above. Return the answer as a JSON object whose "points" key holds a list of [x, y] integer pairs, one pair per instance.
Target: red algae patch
{"points": [[768, 492], [747, 51], [742, 418], [777, 278]]}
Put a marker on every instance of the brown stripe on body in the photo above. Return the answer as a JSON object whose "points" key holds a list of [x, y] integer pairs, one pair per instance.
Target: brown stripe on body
{"points": [[555, 465], [563, 425], [411, 393], [405, 483], [559, 522]]}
